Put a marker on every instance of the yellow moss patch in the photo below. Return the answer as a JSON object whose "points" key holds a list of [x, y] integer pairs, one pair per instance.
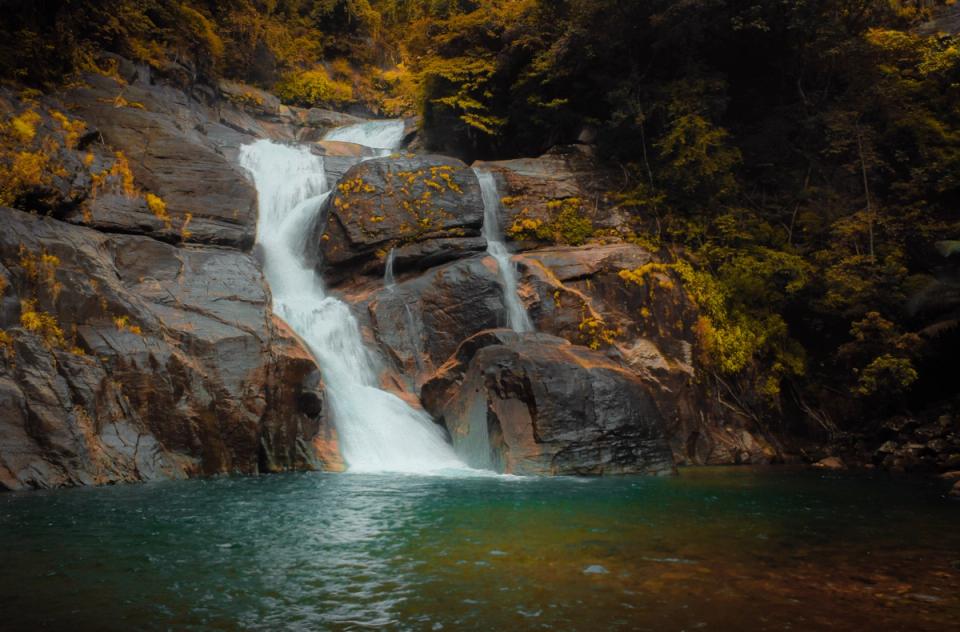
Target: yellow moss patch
{"points": [[312, 88], [567, 223], [41, 270], [24, 126], [41, 323], [159, 208], [73, 129], [122, 323], [595, 333], [6, 344], [121, 169], [185, 233]]}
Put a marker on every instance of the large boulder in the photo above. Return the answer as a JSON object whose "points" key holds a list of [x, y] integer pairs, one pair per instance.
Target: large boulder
{"points": [[428, 207], [622, 299], [421, 320], [125, 358], [535, 404]]}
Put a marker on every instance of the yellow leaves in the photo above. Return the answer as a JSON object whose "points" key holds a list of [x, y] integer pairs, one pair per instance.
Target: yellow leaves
{"points": [[6, 344], [203, 32], [656, 273], [566, 225], [121, 170], [41, 323], [159, 208], [355, 185], [72, 129], [24, 126], [122, 323], [890, 39], [595, 333], [28, 159], [41, 270], [313, 88], [185, 233], [443, 172], [121, 102], [29, 167]]}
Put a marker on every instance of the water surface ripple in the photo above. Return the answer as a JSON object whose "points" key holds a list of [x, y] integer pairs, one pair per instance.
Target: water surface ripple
{"points": [[711, 549]]}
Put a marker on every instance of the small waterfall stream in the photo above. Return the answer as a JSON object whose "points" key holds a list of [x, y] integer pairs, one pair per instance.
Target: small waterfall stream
{"points": [[378, 431], [385, 136], [517, 317], [389, 281]]}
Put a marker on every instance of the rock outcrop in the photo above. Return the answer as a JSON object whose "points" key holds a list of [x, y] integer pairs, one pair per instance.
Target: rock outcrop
{"points": [[535, 404], [131, 359], [138, 341], [427, 207], [177, 150], [534, 190], [136, 336]]}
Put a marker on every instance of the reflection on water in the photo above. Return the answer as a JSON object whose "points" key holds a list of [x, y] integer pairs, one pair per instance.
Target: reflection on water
{"points": [[711, 549]]}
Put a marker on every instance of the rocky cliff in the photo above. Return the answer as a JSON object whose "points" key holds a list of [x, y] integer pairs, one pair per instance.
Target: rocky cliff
{"points": [[139, 342]]}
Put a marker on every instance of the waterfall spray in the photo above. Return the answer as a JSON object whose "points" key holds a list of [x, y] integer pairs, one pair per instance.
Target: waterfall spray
{"points": [[517, 318], [378, 431]]}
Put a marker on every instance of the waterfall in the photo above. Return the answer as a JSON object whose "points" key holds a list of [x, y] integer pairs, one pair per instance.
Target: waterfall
{"points": [[388, 280], [385, 136], [517, 318], [378, 431]]}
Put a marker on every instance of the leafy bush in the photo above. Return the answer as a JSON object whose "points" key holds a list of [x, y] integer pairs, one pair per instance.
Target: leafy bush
{"points": [[313, 88]]}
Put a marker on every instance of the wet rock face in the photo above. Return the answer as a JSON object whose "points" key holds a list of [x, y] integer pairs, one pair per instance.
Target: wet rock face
{"points": [[178, 150], [578, 293], [422, 320], [529, 186], [131, 359], [428, 207], [534, 404]]}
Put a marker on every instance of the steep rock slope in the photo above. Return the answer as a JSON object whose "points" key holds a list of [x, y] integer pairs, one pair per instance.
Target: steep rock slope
{"points": [[140, 343]]}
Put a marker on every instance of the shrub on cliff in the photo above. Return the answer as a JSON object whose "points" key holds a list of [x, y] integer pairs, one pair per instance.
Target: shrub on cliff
{"points": [[314, 88]]}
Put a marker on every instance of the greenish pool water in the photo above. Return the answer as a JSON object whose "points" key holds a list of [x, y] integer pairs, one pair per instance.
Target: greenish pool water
{"points": [[759, 549]]}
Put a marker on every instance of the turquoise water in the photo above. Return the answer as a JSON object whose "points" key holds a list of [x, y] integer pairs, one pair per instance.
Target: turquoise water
{"points": [[764, 549]]}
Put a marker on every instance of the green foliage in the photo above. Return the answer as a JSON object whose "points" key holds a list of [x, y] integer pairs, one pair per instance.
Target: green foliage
{"points": [[566, 224], [887, 376], [314, 88]]}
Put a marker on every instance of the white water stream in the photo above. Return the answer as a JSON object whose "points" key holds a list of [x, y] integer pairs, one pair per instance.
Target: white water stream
{"points": [[389, 281], [517, 317], [378, 431], [384, 136]]}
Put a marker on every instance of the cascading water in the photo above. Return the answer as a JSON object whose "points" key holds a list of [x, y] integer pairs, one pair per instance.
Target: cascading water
{"points": [[384, 136], [517, 317], [378, 431], [389, 281]]}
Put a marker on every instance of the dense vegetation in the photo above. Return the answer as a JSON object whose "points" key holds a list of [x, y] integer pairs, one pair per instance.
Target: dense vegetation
{"points": [[798, 162]]}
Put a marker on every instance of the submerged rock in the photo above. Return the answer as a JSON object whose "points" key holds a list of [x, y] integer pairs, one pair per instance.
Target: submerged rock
{"points": [[831, 463], [535, 404]]}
